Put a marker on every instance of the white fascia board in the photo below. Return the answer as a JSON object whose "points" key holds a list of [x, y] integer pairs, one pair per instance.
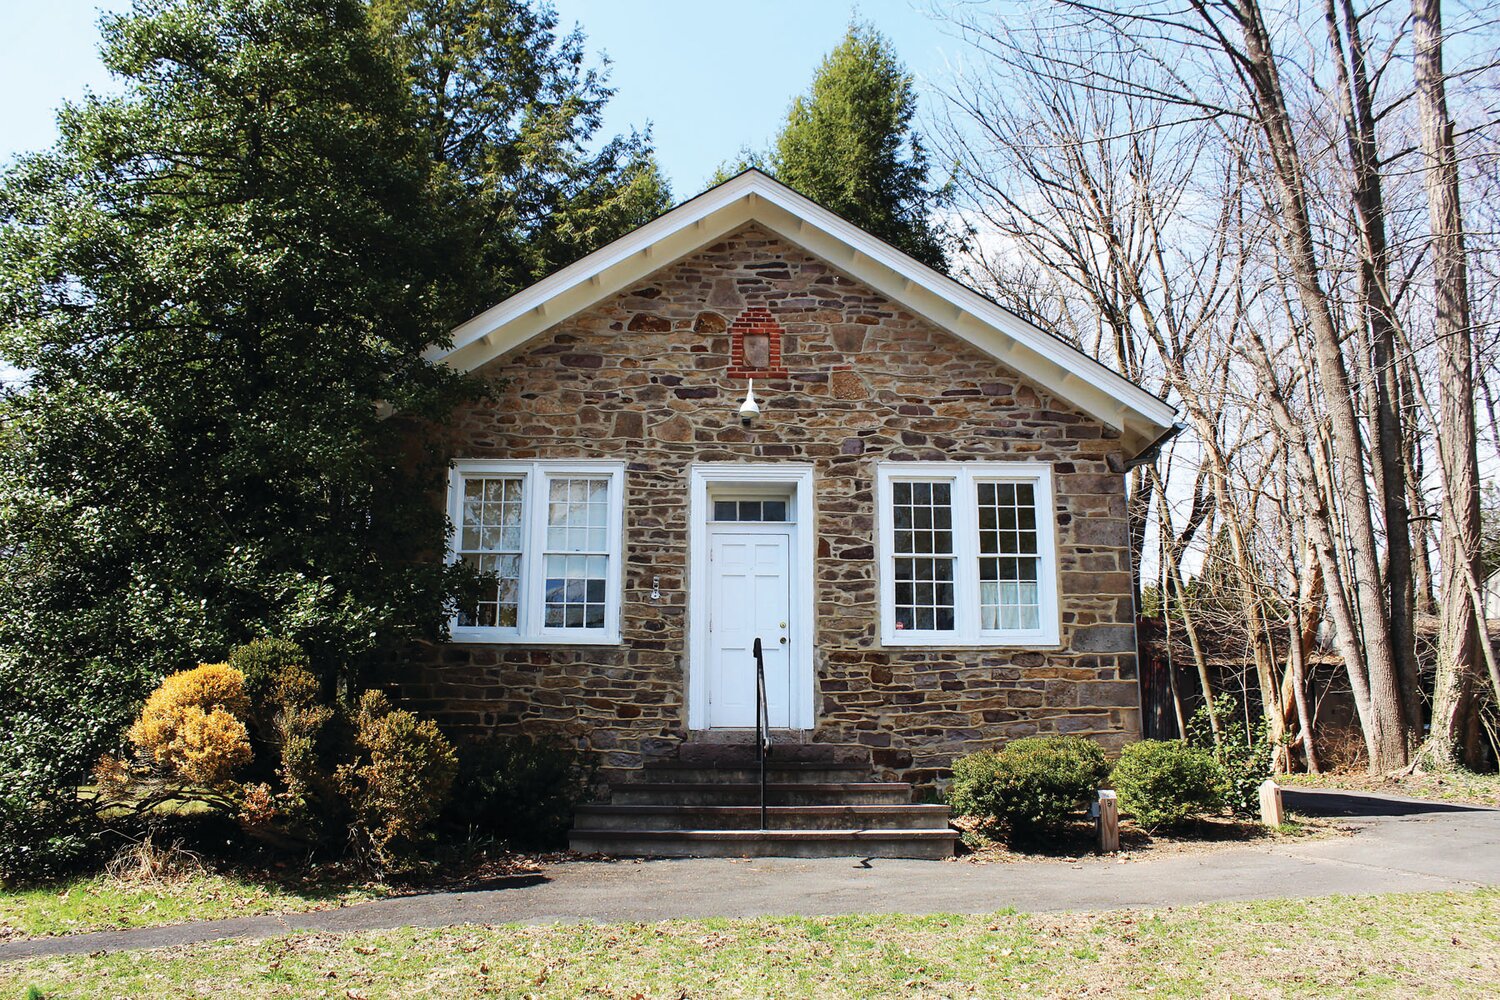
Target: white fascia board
{"points": [[493, 321], [754, 197]]}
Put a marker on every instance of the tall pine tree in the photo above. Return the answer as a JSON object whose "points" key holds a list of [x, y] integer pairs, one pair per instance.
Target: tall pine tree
{"points": [[849, 145]]}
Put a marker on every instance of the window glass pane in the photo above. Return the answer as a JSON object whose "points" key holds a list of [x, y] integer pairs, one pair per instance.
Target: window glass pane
{"points": [[498, 607], [924, 594], [491, 515], [773, 510], [923, 517], [749, 510], [577, 515], [576, 591], [726, 510], [1009, 562]]}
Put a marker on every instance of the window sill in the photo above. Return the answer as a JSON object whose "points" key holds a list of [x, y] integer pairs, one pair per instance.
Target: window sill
{"points": [[1044, 642], [484, 637]]}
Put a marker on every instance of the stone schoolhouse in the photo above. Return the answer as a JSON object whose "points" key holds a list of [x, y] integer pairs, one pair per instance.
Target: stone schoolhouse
{"points": [[749, 419]]}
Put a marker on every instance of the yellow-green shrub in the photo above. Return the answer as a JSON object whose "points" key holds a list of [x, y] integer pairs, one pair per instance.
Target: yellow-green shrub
{"points": [[400, 781], [192, 728]]}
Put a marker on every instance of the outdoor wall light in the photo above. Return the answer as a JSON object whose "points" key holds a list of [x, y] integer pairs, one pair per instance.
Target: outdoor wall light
{"points": [[749, 409]]}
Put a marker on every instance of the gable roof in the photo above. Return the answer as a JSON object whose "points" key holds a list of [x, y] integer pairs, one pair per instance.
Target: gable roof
{"points": [[753, 196]]}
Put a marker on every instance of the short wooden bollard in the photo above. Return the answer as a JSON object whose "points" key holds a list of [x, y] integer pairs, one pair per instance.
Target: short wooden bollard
{"points": [[1271, 813], [1109, 822]]}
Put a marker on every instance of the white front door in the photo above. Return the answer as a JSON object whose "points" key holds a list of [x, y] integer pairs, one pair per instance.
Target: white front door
{"points": [[749, 597]]}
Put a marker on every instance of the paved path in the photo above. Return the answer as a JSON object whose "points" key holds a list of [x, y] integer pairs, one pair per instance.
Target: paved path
{"points": [[1401, 845]]}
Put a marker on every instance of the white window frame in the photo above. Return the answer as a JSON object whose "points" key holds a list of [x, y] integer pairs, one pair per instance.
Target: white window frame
{"points": [[965, 478], [529, 629]]}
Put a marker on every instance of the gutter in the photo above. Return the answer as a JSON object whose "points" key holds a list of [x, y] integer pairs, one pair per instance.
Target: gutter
{"points": [[1149, 453]]}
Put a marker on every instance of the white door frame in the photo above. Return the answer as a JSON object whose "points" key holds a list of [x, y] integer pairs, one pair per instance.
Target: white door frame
{"points": [[799, 475]]}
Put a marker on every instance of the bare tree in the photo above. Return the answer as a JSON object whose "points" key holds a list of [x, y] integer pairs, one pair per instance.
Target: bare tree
{"points": [[1455, 719]]}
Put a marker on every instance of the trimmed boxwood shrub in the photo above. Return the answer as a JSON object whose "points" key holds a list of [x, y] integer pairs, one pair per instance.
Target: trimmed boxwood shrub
{"points": [[1163, 782], [520, 789], [1032, 785]]}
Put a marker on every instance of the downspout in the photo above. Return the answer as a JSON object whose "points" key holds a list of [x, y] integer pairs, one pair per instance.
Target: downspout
{"points": [[1145, 456]]}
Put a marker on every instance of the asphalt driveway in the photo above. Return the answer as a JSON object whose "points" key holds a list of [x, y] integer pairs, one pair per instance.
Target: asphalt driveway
{"points": [[1400, 845]]}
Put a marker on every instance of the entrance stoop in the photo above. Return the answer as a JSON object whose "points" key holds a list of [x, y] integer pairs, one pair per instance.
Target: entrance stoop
{"points": [[706, 803]]}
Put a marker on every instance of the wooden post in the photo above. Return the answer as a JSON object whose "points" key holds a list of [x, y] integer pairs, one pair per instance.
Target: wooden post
{"points": [[1270, 803], [1109, 822]]}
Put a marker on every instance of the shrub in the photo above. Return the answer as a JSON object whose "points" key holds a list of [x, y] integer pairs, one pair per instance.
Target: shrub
{"points": [[59, 717], [263, 663], [1245, 752], [1031, 785], [1162, 782], [520, 789], [399, 783], [191, 726]]}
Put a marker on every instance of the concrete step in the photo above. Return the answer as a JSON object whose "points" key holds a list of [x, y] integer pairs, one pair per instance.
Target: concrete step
{"points": [[818, 817], [780, 771], [740, 750], [858, 843], [744, 793]]}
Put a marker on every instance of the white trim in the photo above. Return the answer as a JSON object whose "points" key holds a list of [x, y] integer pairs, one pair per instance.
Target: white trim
{"points": [[754, 197], [965, 477], [529, 629], [803, 622]]}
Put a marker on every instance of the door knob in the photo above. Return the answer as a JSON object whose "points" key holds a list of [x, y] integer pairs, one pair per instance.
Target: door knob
{"points": [[783, 640]]}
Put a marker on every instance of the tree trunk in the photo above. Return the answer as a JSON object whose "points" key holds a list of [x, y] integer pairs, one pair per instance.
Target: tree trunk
{"points": [[1388, 740], [1380, 315], [1454, 722]]}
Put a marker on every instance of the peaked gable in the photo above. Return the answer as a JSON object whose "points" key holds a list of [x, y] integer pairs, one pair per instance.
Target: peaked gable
{"points": [[753, 197]]}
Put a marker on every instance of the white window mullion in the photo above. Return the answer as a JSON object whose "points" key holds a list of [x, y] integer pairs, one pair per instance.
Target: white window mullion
{"points": [[966, 573], [536, 504]]}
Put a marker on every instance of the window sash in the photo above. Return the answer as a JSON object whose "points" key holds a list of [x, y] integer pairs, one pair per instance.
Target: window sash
{"points": [[593, 586], [1003, 560]]}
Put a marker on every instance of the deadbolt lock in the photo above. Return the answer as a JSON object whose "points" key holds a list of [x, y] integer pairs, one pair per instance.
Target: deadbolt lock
{"points": [[783, 624]]}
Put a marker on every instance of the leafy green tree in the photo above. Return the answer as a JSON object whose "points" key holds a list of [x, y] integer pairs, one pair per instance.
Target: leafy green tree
{"points": [[512, 113], [220, 283], [849, 145]]}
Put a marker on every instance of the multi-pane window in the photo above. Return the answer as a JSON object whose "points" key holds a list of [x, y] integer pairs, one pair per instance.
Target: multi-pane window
{"points": [[750, 510], [967, 554], [922, 516], [1009, 566], [490, 541], [577, 553], [546, 538]]}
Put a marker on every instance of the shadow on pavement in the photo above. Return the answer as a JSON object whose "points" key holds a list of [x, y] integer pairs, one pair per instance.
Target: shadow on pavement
{"points": [[492, 884], [1332, 803]]}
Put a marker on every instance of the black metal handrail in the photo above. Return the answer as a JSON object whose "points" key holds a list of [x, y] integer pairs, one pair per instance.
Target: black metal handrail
{"points": [[762, 726]]}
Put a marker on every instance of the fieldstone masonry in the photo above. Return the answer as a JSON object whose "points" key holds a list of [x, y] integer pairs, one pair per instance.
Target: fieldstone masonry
{"points": [[644, 378]]}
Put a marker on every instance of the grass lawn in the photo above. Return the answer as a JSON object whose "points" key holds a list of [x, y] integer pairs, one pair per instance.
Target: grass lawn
{"points": [[1452, 786], [104, 902], [1436, 944]]}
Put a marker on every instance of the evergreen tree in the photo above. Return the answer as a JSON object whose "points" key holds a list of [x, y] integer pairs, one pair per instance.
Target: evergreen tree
{"points": [[511, 112], [849, 145], [220, 286], [219, 283]]}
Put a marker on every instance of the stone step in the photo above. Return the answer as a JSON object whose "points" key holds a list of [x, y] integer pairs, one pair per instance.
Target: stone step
{"points": [[742, 752], [858, 843], [744, 793], [779, 771], [818, 817]]}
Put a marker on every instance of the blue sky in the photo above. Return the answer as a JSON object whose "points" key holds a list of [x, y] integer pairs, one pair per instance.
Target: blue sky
{"points": [[710, 76]]}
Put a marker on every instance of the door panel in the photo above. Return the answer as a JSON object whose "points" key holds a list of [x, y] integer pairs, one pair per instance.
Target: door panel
{"points": [[750, 596]]}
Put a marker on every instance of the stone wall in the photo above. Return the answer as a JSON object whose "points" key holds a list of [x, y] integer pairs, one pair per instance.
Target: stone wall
{"points": [[644, 378]]}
